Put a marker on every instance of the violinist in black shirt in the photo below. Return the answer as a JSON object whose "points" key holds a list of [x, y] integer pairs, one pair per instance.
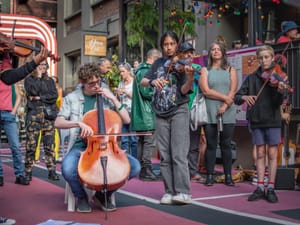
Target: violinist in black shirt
{"points": [[263, 115]]}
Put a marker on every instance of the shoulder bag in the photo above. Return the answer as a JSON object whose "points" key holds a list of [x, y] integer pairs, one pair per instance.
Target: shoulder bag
{"points": [[198, 111], [50, 111]]}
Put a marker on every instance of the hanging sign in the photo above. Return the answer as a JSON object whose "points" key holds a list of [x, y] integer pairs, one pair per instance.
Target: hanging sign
{"points": [[95, 45]]}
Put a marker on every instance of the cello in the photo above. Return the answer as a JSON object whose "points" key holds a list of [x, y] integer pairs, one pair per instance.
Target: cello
{"points": [[103, 165]]}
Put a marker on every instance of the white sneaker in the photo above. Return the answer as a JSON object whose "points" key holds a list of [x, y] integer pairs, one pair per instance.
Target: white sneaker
{"points": [[182, 198], [6, 221], [166, 199]]}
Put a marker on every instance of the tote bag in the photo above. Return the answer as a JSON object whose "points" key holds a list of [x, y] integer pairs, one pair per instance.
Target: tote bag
{"points": [[198, 111]]}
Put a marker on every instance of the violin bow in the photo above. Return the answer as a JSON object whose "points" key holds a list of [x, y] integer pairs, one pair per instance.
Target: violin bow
{"points": [[182, 33], [178, 44], [13, 30], [261, 88], [147, 133]]}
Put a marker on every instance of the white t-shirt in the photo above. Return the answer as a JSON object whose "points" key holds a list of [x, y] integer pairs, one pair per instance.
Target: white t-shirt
{"points": [[125, 99]]}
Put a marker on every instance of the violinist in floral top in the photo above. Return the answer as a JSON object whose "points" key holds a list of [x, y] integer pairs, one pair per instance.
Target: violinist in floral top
{"points": [[263, 115], [170, 104]]}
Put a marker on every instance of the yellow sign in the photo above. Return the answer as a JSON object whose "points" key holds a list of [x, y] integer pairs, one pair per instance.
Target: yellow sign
{"points": [[95, 45]]}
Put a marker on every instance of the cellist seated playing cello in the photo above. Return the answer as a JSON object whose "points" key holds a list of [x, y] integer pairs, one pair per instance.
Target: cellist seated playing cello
{"points": [[75, 105]]}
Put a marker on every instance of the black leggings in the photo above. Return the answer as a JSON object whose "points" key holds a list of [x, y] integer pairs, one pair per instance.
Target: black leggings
{"points": [[211, 134]]}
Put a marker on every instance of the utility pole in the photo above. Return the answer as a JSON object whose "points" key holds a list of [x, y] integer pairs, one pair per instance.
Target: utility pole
{"points": [[252, 22], [122, 37], [160, 20]]}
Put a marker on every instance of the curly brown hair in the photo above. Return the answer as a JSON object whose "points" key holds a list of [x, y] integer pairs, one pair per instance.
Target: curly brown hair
{"points": [[87, 71]]}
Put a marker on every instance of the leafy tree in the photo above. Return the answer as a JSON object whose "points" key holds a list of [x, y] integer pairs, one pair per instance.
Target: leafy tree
{"points": [[142, 21], [113, 76], [175, 19], [142, 18]]}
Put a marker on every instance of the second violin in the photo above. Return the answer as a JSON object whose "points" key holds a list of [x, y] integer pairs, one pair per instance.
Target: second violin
{"points": [[274, 75], [21, 48]]}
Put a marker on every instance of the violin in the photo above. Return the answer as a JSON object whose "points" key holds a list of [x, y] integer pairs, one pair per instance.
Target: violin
{"points": [[21, 48], [189, 62], [179, 60], [274, 75]]}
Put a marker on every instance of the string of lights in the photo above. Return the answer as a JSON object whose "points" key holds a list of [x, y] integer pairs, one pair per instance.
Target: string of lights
{"points": [[207, 10]]}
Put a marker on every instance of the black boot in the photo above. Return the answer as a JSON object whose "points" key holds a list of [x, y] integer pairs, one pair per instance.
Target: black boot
{"points": [[298, 179], [52, 175], [147, 174], [21, 180], [228, 180], [209, 180], [28, 176]]}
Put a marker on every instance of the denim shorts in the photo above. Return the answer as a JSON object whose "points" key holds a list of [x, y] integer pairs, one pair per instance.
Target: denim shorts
{"points": [[270, 136]]}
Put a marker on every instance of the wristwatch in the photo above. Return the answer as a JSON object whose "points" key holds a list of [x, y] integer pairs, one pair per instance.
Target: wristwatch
{"points": [[150, 82]]}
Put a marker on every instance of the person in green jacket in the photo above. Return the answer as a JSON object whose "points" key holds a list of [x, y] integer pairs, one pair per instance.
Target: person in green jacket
{"points": [[142, 116]]}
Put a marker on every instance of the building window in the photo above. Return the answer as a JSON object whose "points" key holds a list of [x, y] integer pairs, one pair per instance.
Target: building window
{"points": [[71, 7], [93, 2], [71, 65]]}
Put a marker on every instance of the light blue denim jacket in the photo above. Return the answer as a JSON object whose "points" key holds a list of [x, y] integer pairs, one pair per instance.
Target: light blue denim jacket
{"points": [[72, 110]]}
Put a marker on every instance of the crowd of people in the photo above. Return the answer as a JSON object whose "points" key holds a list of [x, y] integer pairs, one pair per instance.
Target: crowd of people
{"points": [[289, 32], [152, 97]]}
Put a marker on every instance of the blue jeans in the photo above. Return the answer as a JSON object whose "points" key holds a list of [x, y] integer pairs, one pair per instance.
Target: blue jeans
{"points": [[70, 170], [9, 124], [129, 143]]}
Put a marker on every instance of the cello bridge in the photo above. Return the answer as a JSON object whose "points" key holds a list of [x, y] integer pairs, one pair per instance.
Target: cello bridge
{"points": [[103, 146]]}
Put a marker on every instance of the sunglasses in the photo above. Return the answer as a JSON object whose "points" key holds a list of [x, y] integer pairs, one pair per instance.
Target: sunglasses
{"points": [[93, 83]]}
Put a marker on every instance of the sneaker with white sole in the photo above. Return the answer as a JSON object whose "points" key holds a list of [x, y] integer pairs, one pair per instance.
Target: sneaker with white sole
{"points": [[99, 201], [83, 205], [166, 199], [6, 221], [182, 198]]}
